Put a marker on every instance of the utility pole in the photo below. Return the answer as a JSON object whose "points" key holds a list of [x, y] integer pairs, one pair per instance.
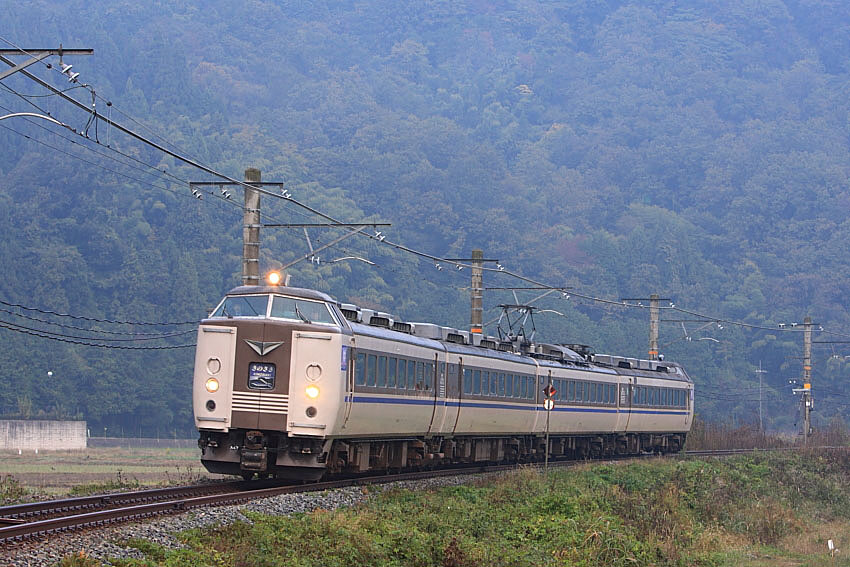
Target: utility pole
{"points": [[251, 230], [476, 316], [654, 320], [476, 290], [760, 372], [250, 219], [653, 326], [807, 377]]}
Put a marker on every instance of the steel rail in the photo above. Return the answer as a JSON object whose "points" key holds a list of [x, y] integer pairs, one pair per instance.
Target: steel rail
{"points": [[20, 512]]}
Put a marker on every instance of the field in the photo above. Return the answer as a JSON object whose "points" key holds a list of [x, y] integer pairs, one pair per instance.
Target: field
{"points": [[59, 473]]}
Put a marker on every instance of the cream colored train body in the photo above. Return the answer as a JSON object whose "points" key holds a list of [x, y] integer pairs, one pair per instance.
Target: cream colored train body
{"points": [[289, 383]]}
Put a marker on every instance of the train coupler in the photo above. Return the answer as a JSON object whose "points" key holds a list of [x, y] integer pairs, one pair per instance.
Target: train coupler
{"points": [[254, 455]]}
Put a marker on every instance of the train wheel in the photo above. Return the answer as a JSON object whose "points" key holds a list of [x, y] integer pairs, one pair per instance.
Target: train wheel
{"points": [[247, 475]]}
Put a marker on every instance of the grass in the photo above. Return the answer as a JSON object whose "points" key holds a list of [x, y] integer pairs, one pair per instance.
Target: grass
{"points": [[777, 509]]}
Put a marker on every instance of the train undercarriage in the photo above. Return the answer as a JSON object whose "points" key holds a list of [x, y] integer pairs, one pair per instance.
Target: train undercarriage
{"points": [[263, 453]]}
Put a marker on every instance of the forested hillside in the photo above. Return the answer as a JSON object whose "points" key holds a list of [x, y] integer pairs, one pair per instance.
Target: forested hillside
{"points": [[697, 150]]}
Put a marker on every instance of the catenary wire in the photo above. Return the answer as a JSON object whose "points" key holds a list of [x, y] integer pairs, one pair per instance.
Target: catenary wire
{"points": [[44, 335]]}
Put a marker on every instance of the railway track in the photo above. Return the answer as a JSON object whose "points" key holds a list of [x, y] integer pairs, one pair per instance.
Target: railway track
{"points": [[26, 521]]}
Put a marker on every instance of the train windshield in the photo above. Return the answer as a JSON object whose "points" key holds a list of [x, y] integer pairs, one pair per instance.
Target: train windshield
{"points": [[242, 306], [302, 310]]}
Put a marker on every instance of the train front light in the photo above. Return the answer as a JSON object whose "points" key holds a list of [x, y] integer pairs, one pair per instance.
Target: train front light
{"points": [[312, 392], [212, 385]]}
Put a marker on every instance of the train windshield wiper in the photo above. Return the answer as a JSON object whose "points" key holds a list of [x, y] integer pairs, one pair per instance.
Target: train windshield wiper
{"points": [[301, 315]]}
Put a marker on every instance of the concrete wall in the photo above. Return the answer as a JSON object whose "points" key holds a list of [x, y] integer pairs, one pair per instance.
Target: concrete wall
{"points": [[42, 435]]}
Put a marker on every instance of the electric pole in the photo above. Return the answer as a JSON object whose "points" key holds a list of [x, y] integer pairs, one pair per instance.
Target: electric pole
{"points": [[476, 316], [654, 320], [250, 219], [760, 372], [476, 290], [653, 326], [807, 378], [251, 230]]}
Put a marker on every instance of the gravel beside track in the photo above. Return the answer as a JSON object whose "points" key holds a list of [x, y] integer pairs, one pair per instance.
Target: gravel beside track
{"points": [[103, 543]]}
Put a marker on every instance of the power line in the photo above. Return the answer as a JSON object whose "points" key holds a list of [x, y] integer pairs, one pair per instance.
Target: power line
{"points": [[45, 335], [83, 318], [64, 336], [101, 331]]}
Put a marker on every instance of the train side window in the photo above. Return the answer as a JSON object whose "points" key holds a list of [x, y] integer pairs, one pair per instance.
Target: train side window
{"points": [[360, 369], [467, 381], [635, 395], [402, 374], [420, 375], [371, 364], [494, 383], [391, 366], [411, 374], [517, 386], [593, 391], [429, 375], [523, 386], [502, 384], [571, 391], [586, 392], [476, 382], [509, 385], [382, 372], [485, 383]]}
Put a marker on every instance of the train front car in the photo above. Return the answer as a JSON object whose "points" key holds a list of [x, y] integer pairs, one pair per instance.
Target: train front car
{"points": [[269, 383]]}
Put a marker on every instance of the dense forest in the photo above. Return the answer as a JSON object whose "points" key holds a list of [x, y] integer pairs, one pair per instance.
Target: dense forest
{"points": [[696, 150]]}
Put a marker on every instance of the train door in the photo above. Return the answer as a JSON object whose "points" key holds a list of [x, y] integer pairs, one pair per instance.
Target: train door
{"points": [[350, 358], [438, 416], [450, 408], [626, 402], [457, 379]]}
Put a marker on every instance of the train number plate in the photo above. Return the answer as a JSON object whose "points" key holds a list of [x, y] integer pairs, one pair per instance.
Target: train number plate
{"points": [[261, 376]]}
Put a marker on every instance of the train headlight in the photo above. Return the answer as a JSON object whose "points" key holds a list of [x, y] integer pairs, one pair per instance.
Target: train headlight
{"points": [[212, 385], [312, 392], [273, 278]]}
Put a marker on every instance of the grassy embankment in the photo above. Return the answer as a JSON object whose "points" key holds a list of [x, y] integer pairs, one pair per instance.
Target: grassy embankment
{"points": [[776, 509]]}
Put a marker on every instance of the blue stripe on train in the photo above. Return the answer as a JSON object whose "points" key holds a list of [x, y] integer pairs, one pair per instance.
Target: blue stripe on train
{"points": [[485, 405]]}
